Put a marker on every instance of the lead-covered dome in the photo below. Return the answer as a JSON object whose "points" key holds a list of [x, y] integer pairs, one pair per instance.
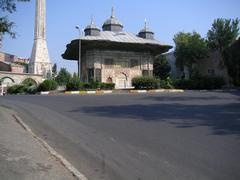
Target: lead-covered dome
{"points": [[146, 33], [92, 29], [112, 24]]}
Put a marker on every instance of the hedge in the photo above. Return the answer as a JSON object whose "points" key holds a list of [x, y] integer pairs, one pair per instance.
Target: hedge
{"points": [[22, 89], [199, 83], [145, 83], [48, 85], [74, 84]]}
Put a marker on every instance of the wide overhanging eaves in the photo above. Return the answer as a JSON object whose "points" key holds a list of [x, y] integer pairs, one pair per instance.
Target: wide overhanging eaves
{"points": [[72, 50]]}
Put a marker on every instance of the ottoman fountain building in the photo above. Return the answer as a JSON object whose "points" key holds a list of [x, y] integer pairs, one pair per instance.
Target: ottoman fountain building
{"points": [[113, 55]]}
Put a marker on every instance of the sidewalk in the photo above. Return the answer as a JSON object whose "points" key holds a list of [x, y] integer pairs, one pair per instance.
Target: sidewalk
{"points": [[22, 157]]}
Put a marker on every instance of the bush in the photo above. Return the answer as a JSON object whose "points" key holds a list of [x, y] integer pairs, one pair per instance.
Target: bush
{"points": [[31, 89], [48, 85], [29, 82], [16, 89], [74, 84], [205, 82], [145, 83], [166, 84], [63, 77], [107, 86]]}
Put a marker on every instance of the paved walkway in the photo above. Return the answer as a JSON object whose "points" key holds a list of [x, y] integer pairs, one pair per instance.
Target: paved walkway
{"points": [[22, 157]]}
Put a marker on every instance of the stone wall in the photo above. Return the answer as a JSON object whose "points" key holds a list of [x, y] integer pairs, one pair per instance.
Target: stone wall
{"points": [[211, 66], [18, 78], [120, 71]]}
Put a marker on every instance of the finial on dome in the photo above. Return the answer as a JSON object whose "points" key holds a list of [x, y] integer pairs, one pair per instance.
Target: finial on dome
{"points": [[146, 33], [145, 23], [113, 13], [92, 20]]}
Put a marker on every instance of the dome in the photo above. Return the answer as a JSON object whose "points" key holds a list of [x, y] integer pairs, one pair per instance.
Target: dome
{"points": [[112, 21], [91, 26], [92, 29], [112, 24], [146, 33]]}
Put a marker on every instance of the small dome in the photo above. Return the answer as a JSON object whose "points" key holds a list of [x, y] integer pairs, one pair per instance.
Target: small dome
{"points": [[92, 29], [112, 24], [146, 33], [91, 26]]}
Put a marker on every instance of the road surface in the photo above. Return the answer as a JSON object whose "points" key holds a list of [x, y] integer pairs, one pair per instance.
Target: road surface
{"points": [[191, 135]]}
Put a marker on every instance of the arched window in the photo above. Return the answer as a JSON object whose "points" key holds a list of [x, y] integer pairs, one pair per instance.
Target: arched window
{"points": [[109, 80]]}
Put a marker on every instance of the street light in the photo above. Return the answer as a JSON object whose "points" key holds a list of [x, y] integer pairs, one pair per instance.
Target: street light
{"points": [[80, 53]]}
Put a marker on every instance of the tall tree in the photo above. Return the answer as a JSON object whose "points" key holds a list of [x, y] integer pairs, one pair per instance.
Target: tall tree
{"points": [[63, 76], [7, 6], [232, 61], [189, 49], [161, 67], [222, 34], [220, 37], [54, 70]]}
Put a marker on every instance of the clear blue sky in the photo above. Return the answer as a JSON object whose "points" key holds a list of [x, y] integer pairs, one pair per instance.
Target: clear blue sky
{"points": [[166, 18]]}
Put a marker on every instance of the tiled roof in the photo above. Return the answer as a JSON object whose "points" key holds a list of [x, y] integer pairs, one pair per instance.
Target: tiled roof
{"points": [[122, 37]]}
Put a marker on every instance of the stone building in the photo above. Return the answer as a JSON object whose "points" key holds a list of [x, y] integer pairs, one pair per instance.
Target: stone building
{"points": [[12, 63], [209, 66], [113, 55]]}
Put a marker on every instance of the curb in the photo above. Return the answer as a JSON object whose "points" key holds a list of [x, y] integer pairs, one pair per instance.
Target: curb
{"points": [[59, 157], [158, 91], [44, 92], [130, 91], [89, 92]]}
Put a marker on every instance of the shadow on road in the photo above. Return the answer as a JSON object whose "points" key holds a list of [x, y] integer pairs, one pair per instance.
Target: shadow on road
{"points": [[222, 119]]}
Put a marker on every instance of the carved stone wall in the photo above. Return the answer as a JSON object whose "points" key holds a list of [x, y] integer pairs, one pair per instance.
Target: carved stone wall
{"points": [[121, 70]]}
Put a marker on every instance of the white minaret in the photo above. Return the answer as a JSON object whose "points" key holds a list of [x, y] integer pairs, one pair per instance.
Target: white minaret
{"points": [[40, 62]]}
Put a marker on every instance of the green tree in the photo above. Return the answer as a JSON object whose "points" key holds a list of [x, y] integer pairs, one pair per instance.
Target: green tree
{"points": [[222, 34], [7, 6], [63, 76], [221, 37], [189, 49], [54, 70], [75, 75], [161, 67], [232, 61]]}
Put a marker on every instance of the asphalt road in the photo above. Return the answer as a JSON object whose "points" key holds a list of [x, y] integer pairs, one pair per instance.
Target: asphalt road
{"points": [[193, 135]]}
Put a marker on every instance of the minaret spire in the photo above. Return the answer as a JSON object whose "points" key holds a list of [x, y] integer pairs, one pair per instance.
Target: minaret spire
{"points": [[39, 61]]}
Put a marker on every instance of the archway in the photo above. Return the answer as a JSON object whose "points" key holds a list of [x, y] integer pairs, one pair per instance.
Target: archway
{"points": [[7, 81], [109, 80], [122, 81]]}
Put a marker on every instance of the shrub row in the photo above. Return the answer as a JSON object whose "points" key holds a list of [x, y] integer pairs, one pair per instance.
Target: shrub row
{"points": [[28, 87], [22, 89], [151, 83], [199, 83], [74, 84], [48, 85], [145, 83], [195, 84]]}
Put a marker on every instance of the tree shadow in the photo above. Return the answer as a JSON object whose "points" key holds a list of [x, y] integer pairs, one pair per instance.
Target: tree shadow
{"points": [[222, 119]]}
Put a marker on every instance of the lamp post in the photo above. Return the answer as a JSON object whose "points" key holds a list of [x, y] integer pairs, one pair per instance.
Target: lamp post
{"points": [[79, 51]]}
